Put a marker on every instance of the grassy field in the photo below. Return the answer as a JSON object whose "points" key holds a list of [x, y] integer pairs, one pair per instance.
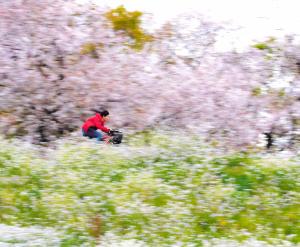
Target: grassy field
{"points": [[152, 191]]}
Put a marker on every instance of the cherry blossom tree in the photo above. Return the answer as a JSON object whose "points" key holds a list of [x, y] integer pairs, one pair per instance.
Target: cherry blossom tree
{"points": [[60, 59]]}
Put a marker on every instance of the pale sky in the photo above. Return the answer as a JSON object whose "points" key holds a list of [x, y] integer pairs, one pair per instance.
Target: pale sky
{"points": [[256, 19]]}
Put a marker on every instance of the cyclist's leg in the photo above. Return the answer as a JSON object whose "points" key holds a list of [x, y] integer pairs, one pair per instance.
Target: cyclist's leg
{"points": [[92, 133], [98, 135]]}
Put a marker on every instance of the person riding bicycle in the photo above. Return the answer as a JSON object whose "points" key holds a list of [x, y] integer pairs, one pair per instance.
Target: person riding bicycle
{"points": [[96, 122]]}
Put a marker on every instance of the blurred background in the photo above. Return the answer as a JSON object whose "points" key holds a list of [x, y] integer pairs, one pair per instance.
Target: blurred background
{"points": [[207, 94], [230, 81]]}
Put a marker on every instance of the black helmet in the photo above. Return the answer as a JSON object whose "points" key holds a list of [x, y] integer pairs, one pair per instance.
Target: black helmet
{"points": [[102, 112]]}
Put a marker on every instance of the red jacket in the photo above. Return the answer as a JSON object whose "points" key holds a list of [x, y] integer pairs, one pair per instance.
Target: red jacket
{"points": [[95, 121]]}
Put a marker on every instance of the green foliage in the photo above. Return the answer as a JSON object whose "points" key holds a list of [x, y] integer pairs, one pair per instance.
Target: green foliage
{"points": [[88, 48], [256, 91], [130, 23], [163, 196], [261, 46], [91, 49], [266, 45], [281, 93]]}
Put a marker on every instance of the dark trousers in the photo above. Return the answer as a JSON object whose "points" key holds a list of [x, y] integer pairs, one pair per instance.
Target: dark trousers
{"points": [[92, 133]]}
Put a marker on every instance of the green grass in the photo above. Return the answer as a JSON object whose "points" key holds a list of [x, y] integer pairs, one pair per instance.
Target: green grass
{"points": [[160, 192]]}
